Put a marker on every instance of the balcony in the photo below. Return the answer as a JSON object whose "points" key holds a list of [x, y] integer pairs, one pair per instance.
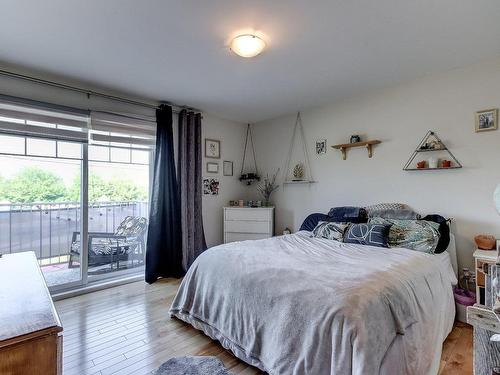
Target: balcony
{"points": [[51, 230]]}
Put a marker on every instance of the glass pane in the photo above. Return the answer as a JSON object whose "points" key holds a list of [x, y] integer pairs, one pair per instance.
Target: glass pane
{"points": [[69, 150], [140, 157], [40, 147], [120, 155], [118, 205], [43, 124], [40, 212], [98, 153], [11, 144]]}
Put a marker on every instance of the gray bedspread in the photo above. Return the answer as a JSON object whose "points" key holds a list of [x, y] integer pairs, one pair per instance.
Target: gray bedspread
{"points": [[299, 305]]}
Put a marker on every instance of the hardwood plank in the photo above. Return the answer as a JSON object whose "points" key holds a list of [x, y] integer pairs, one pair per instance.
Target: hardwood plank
{"points": [[127, 330]]}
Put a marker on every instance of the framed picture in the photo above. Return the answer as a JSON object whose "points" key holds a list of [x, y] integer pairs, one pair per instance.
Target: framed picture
{"points": [[212, 148], [213, 167], [321, 146], [498, 248], [210, 186], [487, 120], [227, 168]]}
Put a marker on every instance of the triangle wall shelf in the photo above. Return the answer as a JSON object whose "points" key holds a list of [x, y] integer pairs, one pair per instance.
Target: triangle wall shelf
{"points": [[430, 144]]}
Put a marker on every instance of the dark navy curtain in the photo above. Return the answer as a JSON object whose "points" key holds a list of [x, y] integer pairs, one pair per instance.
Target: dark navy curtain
{"points": [[164, 244], [190, 181]]}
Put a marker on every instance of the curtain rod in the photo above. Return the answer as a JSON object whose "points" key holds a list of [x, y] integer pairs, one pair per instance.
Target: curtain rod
{"points": [[91, 92]]}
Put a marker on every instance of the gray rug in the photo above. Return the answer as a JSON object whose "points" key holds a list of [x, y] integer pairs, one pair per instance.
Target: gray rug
{"points": [[193, 366]]}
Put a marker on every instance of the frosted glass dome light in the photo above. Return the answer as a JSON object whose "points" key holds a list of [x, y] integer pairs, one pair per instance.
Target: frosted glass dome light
{"points": [[247, 45]]}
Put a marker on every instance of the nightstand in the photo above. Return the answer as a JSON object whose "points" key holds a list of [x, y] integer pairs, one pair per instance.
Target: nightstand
{"points": [[481, 260]]}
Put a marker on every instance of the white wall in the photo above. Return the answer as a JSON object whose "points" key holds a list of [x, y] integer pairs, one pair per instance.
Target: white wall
{"points": [[399, 117], [231, 135]]}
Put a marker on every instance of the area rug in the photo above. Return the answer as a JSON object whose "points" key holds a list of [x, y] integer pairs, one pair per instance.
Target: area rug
{"points": [[193, 366]]}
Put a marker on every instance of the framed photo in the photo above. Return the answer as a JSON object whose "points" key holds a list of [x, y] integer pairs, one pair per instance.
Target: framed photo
{"points": [[210, 186], [213, 167], [487, 120], [498, 248], [212, 148], [321, 146], [227, 168]]}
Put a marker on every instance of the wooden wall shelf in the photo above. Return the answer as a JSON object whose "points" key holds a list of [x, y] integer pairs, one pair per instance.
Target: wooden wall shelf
{"points": [[344, 146]]}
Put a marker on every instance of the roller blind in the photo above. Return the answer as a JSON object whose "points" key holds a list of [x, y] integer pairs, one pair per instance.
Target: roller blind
{"points": [[133, 131], [42, 122]]}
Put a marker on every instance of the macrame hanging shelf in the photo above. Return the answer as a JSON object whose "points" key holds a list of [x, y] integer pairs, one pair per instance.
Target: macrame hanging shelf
{"points": [[290, 176], [429, 145], [249, 177]]}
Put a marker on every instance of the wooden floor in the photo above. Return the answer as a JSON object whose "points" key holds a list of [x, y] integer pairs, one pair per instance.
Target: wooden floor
{"points": [[126, 330]]}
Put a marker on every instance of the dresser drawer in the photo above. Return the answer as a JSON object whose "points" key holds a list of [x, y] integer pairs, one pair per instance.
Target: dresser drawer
{"points": [[247, 214], [247, 226], [232, 237]]}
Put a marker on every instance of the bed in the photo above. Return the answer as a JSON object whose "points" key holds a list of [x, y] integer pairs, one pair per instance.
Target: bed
{"points": [[295, 304]]}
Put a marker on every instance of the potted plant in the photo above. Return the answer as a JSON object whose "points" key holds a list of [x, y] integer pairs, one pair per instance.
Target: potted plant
{"points": [[267, 187]]}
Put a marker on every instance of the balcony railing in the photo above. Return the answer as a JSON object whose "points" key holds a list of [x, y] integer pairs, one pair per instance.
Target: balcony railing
{"points": [[47, 228]]}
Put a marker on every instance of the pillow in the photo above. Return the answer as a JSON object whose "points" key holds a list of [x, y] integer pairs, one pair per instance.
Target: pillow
{"points": [[444, 231], [348, 214], [419, 235], [368, 234], [330, 231], [386, 206], [390, 213], [312, 220]]}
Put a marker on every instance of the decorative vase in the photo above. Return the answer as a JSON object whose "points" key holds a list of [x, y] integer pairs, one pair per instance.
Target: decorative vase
{"points": [[433, 162]]}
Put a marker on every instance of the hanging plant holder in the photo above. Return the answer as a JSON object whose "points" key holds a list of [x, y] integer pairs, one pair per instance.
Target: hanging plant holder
{"points": [[249, 177]]}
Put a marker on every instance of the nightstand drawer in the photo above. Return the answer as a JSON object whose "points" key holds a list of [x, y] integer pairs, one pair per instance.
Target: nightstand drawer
{"points": [[248, 214], [247, 226], [232, 237]]}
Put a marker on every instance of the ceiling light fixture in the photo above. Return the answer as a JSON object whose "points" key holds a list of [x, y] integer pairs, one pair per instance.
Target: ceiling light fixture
{"points": [[247, 45]]}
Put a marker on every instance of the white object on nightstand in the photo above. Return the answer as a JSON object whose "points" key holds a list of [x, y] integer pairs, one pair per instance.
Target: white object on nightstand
{"points": [[480, 258], [248, 223]]}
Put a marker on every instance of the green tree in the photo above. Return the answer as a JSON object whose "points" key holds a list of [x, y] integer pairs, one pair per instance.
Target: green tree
{"points": [[120, 189], [34, 184], [98, 189]]}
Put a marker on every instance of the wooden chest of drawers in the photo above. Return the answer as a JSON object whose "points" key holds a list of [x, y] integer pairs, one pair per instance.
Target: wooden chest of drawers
{"points": [[30, 330], [247, 223]]}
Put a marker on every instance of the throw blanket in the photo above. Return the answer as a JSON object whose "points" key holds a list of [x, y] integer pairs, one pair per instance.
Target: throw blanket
{"points": [[299, 305]]}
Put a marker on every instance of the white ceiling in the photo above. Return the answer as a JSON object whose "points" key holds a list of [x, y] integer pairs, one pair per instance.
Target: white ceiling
{"points": [[318, 51]]}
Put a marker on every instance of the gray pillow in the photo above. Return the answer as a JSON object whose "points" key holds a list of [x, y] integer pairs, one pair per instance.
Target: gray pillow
{"points": [[330, 230], [386, 206], [390, 213]]}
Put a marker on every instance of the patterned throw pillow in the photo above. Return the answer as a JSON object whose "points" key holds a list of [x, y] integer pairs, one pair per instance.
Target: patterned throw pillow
{"points": [[417, 235], [368, 234], [385, 206], [330, 231]]}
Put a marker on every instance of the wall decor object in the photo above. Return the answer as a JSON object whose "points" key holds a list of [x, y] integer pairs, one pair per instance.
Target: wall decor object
{"points": [[487, 120], [213, 167], [227, 168], [343, 147], [355, 139], [441, 157], [298, 134], [210, 186], [249, 177], [321, 147], [212, 148], [267, 187], [298, 172]]}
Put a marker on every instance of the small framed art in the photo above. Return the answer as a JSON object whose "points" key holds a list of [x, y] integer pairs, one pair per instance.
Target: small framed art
{"points": [[213, 167], [487, 120], [210, 186], [227, 168], [212, 148], [498, 248], [321, 146]]}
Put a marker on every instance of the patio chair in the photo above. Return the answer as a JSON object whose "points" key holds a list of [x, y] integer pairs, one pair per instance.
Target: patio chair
{"points": [[126, 243]]}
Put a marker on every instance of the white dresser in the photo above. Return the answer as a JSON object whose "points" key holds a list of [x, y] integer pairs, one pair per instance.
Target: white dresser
{"points": [[248, 223]]}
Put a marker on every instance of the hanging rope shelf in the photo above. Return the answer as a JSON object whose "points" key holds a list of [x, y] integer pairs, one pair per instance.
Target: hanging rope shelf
{"points": [[249, 177], [298, 169]]}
